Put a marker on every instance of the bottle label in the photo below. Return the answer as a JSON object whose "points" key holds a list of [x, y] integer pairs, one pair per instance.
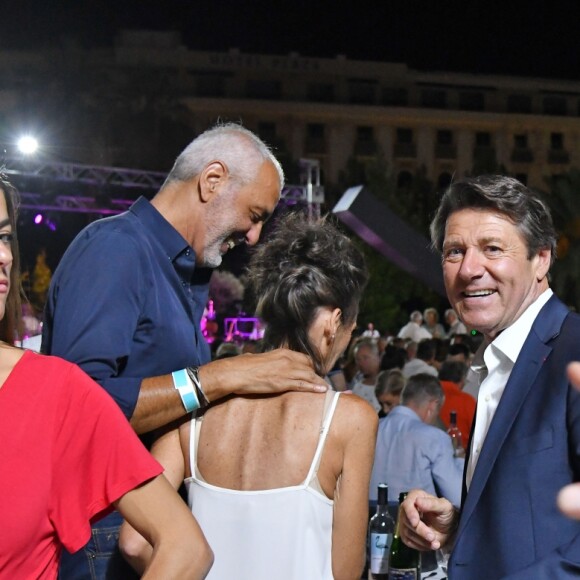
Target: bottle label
{"points": [[380, 548], [404, 574]]}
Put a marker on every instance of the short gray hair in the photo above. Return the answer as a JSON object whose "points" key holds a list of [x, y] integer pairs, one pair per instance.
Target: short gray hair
{"points": [[369, 343], [242, 151], [415, 316], [421, 389]]}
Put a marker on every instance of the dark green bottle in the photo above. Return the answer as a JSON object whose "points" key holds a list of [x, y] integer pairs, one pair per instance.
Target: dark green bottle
{"points": [[404, 562]]}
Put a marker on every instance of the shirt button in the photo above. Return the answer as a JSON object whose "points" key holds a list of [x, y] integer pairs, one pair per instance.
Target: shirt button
{"points": [[487, 399]]}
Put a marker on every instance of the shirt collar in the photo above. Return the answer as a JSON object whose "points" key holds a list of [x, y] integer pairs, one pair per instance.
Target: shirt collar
{"points": [[511, 340], [406, 411], [172, 242]]}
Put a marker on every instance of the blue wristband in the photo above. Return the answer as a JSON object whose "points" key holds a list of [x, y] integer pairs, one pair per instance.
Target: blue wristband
{"points": [[184, 386]]}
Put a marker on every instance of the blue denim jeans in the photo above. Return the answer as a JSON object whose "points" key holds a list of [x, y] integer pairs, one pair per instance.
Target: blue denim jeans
{"points": [[100, 559]]}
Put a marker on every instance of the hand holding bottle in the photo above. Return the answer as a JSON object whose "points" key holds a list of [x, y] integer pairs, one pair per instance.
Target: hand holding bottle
{"points": [[404, 561]]}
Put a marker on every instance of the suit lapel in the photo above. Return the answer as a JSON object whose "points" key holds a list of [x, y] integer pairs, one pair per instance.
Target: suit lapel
{"points": [[522, 378]]}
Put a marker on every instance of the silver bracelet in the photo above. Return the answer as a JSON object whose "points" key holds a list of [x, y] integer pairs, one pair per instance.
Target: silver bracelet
{"points": [[193, 373]]}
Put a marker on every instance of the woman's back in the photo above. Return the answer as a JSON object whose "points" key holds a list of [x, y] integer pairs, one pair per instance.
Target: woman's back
{"points": [[257, 495], [266, 442]]}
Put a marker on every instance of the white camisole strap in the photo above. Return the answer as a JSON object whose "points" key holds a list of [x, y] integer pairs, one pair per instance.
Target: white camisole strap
{"points": [[327, 420], [194, 431]]}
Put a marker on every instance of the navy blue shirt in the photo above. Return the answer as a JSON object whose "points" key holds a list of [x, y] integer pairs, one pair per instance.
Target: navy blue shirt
{"points": [[126, 302]]}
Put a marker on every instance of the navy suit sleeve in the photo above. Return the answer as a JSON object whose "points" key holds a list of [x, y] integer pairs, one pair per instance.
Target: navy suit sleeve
{"points": [[93, 310], [565, 561]]}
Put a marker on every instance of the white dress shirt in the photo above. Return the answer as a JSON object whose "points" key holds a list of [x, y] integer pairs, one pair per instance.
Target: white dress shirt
{"points": [[414, 332], [494, 362]]}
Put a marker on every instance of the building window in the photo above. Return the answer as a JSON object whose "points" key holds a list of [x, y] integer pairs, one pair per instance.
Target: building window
{"points": [[263, 89], [557, 141], [519, 104], [471, 101], [315, 130], [315, 139], [482, 139], [393, 97], [521, 141], [484, 158], [321, 92], [444, 137], [365, 133], [404, 146], [365, 141], [444, 147], [404, 135], [521, 152], [362, 92], [557, 152], [434, 99], [554, 105]]}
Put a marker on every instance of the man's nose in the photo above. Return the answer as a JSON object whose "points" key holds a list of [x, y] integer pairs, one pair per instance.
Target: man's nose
{"points": [[253, 234], [472, 264]]}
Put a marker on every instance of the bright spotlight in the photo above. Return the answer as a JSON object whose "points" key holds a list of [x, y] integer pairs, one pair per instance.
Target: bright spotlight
{"points": [[38, 218], [27, 145]]}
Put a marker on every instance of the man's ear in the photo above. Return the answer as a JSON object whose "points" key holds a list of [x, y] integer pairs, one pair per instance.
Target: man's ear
{"points": [[212, 179], [544, 257]]}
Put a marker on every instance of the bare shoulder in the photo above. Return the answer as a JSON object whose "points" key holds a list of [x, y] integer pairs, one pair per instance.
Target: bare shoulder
{"points": [[355, 414]]}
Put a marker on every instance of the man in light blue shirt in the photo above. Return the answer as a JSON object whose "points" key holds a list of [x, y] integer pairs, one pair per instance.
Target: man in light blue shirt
{"points": [[410, 451]]}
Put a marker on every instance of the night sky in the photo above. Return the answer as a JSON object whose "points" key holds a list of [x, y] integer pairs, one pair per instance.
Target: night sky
{"points": [[510, 37]]}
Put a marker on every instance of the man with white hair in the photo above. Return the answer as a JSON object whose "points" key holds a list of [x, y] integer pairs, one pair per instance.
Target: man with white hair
{"points": [[413, 329], [126, 300], [455, 325]]}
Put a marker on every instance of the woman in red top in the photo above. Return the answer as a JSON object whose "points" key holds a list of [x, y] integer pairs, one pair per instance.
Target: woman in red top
{"points": [[68, 455]]}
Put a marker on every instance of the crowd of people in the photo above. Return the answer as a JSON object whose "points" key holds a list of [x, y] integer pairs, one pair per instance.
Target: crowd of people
{"points": [[280, 451]]}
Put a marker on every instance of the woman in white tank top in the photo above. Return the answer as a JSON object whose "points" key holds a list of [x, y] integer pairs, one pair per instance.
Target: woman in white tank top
{"points": [[279, 483]]}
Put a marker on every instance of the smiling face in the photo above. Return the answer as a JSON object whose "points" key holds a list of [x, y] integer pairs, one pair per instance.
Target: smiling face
{"points": [[489, 279], [237, 214]]}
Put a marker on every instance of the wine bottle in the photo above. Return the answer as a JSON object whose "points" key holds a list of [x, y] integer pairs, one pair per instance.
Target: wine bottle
{"points": [[381, 527], [404, 562], [455, 435]]}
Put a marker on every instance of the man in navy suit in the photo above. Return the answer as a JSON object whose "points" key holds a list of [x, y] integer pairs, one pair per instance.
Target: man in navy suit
{"points": [[498, 242]]}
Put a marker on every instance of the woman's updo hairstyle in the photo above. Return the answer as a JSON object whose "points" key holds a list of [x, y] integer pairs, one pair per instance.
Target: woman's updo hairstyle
{"points": [[301, 267]]}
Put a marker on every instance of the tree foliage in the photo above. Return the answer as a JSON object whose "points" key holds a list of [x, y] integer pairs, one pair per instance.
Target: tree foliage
{"points": [[563, 197], [392, 293]]}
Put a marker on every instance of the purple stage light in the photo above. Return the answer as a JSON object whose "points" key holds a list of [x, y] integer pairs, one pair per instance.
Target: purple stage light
{"points": [[38, 218]]}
